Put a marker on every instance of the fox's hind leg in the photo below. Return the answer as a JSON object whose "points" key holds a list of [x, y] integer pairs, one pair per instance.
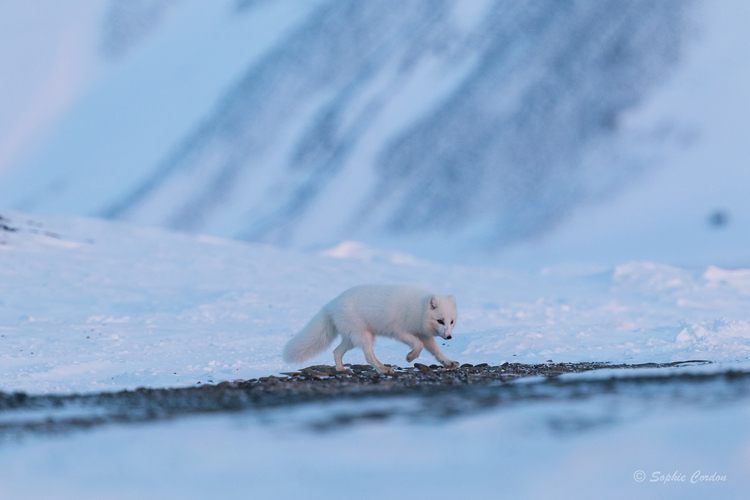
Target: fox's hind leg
{"points": [[338, 353], [365, 341]]}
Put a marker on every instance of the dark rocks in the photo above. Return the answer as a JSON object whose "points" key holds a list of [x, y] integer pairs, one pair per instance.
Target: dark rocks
{"points": [[320, 368], [4, 225], [312, 373], [365, 375], [444, 392], [362, 367]]}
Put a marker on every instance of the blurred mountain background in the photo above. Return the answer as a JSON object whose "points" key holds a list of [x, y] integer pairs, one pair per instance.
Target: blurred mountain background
{"points": [[456, 130]]}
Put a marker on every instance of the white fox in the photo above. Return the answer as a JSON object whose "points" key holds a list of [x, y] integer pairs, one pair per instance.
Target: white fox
{"points": [[413, 315]]}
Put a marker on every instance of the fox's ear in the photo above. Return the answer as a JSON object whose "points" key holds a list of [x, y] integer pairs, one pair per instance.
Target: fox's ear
{"points": [[452, 298], [433, 302]]}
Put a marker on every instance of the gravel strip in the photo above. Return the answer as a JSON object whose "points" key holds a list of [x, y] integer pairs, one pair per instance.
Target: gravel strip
{"points": [[438, 392]]}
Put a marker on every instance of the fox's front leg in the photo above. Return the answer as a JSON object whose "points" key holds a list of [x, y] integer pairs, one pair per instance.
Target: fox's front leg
{"points": [[412, 341], [432, 347]]}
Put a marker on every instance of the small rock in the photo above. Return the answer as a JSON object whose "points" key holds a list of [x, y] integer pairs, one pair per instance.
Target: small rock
{"points": [[309, 372], [422, 368], [320, 368], [362, 367]]}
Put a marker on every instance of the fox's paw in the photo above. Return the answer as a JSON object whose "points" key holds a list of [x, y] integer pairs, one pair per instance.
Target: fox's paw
{"points": [[413, 355], [451, 364], [386, 370]]}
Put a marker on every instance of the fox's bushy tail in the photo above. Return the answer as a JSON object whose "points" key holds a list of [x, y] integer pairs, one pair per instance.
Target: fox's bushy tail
{"points": [[311, 340]]}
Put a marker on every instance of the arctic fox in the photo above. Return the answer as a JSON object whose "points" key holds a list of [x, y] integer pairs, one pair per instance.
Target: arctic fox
{"points": [[413, 315]]}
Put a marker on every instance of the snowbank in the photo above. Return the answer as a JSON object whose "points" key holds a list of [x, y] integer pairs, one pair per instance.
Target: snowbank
{"points": [[90, 305]]}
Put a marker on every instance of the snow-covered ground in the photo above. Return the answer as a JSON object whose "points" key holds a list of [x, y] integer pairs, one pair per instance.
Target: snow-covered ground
{"points": [[88, 305], [91, 305]]}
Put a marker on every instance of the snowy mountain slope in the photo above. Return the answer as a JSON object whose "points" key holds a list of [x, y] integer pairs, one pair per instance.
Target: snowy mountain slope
{"points": [[307, 123], [46, 64], [526, 84], [693, 210], [89, 305], [140, 104]]}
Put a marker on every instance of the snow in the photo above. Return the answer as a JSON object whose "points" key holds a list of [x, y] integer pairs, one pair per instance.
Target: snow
{"points": [[513, 452], [90, 305]]}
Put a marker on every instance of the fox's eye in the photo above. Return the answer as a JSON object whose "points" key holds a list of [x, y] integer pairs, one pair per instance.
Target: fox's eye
{"points": [[451, 322], [441, 321]]}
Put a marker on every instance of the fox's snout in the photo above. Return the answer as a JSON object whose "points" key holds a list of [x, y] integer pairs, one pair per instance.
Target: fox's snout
{"points": [[449, 337]]}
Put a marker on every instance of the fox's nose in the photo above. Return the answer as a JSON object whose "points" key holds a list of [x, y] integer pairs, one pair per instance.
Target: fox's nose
{"points": [[449, 337]]}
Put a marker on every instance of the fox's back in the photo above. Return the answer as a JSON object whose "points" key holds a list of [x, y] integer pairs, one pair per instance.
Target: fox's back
{"points": [[382, 308]]}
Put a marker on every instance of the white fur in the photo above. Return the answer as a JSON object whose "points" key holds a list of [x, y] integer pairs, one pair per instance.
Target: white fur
{"points": [[406, 313]]}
